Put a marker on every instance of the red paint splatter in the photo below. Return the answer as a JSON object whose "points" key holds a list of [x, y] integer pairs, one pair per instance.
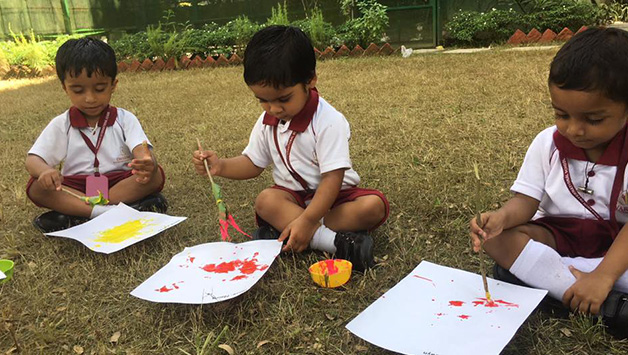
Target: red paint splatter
{"points": [[425, 278], [433, 300], [239, 277], [166, 289], [441, 314], [494, 303], [456, 303], [464, 316], [191, 258], [245, 266]]}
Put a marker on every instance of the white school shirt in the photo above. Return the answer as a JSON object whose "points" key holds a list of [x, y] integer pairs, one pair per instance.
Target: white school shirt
{"points": [[321, 145], [61, 141], [541, 177]]}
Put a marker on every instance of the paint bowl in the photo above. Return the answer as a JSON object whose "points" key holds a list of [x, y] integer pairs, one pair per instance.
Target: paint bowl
{"points": [[6, 266], [331, 273]]}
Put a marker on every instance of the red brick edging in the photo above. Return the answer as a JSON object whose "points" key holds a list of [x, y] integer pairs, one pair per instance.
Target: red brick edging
{"points": [[534, 36]]}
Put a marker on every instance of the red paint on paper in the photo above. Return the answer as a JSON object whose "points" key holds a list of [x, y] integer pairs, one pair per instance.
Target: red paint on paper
{"points": [[464, 316], [239, 277], [424, 278], [456, 303], [246, 266], [191, 259], [494, 303], [440, 314], [166, 289]]}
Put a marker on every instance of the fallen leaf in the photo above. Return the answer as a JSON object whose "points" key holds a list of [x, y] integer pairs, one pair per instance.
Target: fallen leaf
{"points": [[361, 348], [227, 348], [114, 338], [566, 332], [329, 316], [262, 343], [78, 349]]}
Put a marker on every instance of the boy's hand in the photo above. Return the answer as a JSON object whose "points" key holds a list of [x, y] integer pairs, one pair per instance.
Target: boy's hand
{"points": [[50, 179], [212, 160], [588, 293], [143, 165], [300, 233], [493, 225]]}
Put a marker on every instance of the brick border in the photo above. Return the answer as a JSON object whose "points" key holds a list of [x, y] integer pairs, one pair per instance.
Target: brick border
{"points": [[185, 62], [534, 36]]}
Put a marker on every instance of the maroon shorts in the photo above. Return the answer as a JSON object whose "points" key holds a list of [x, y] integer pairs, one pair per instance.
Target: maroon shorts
{"points": [[574, 237], [346, 195], [77, 182]]}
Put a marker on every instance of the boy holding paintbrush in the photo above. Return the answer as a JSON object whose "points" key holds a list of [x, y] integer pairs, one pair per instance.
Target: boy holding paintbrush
{"points": [[102, 149], [565, 229], [315, 202]]}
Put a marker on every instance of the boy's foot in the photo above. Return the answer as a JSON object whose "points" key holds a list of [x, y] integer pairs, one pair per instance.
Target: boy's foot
{"points": [[266, 232], [53, 221], [614, 314], [355, 247], [152, 203]]}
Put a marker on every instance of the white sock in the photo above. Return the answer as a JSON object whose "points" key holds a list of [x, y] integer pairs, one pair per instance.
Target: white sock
{"points": [[100, 209], [589, 264], [540, 266], [323, 240]]}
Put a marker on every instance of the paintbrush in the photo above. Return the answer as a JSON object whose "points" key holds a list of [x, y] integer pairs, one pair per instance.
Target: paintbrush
{"points": [[478, 220], [92, 201], [205, 162], [82, 198]]}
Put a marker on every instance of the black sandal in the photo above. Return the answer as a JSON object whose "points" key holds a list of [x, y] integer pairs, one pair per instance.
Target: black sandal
{"points": [[614, 314]]}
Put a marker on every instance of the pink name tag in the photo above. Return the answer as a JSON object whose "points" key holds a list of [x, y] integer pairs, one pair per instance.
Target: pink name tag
{"points": [[94, 184]]}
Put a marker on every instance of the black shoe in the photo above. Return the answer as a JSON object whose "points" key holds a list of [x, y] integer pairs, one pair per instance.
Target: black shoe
{"points": [[355, 247], [267, 232], [547, 305], [152, 203], [53, 221], [614, 314]]}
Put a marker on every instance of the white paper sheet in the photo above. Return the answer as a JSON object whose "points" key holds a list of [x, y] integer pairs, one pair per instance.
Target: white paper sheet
{"points": [[210, 273], [438, 310], [2, 275], [118, 228]]}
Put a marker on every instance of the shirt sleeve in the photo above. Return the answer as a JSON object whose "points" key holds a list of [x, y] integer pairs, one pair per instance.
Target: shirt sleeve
{"points": [[258, 150], [52, 143], [535, 168], [133, 131], [332, 144]]}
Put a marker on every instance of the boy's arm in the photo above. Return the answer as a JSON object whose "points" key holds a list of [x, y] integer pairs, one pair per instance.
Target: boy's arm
{"points": [[48, 177], [517, 211], [591, 289], [236, 168], [301, 230]]}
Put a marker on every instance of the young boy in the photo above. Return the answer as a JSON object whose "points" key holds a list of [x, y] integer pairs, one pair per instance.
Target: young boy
{"points": [[315, 201], [564, 229], [94, 142]]}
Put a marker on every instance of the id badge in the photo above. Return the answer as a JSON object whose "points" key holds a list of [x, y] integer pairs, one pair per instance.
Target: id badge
{"points": [[94, 184]]}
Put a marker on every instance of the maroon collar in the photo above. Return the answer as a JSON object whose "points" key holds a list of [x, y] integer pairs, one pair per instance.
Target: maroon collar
{"points": [[610, 156], [78, 120], [302, 119]]}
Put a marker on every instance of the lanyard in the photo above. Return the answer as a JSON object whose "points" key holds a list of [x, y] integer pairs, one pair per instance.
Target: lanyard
{"points": [[286, 162], [91, 146]]}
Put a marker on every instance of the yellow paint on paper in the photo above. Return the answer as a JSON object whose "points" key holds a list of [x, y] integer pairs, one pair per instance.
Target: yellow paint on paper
{"points": [[123, 232]]}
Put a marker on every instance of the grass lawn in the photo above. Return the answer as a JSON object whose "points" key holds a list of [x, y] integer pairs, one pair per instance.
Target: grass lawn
{"points": [[418, 125]]}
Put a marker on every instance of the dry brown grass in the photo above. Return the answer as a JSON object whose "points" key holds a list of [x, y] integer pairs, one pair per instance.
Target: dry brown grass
{"points": [[418, 124]]}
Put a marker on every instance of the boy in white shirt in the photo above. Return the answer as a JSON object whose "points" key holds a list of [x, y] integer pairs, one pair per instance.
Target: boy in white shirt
{"points": [[98, 145], [315, 202], [564, 230]]}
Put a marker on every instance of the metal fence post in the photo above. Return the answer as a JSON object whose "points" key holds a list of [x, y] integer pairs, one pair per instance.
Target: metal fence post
{"points": [[66, 17]]}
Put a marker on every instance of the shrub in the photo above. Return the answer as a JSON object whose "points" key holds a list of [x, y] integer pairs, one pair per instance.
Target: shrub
{"points": [[30, 51], [132, 46], [279, 16], [320, 32], [369, 27], [241, 30], [495, 26]]}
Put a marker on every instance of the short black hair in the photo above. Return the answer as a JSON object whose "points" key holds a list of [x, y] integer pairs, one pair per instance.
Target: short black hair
{"points": [[594, 60], [87, 53], [281, 56]]}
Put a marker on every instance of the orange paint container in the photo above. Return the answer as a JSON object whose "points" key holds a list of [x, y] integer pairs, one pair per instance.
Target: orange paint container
{"points": [[331, 273]]}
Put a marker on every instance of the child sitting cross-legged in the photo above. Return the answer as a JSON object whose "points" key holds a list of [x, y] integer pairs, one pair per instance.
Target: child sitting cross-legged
{"points": [[96, 144], [564, 230], [315, 201]]}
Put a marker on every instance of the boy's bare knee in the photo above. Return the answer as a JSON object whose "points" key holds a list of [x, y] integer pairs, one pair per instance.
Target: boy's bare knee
{"points": [[373, 208], [264, 200]]}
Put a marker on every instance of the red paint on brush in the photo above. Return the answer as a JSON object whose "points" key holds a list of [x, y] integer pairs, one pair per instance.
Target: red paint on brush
{"points": [[456, 303]]}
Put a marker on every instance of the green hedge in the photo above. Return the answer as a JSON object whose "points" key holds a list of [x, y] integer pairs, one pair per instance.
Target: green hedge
{"points": [[470, 28]]}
